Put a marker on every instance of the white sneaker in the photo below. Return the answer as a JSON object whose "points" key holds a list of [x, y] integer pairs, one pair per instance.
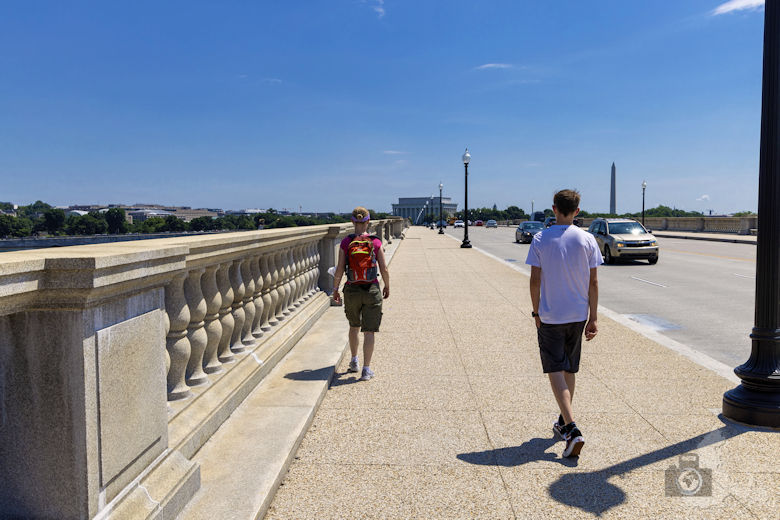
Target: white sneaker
{"points": [[367, 374], [353, 366]]}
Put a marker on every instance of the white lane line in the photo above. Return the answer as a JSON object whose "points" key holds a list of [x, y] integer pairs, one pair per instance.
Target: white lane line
{"points": [[648, 281], [745, 276]]}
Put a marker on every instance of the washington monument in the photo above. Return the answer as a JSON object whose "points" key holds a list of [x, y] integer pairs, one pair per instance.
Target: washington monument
{"points": [[612, 194]]}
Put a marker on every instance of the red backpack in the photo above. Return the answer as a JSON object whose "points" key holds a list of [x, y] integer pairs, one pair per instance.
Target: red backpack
{"points": [[361, 259]]}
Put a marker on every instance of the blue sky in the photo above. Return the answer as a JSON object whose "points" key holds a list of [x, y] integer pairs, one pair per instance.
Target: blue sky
{"points": [[333, 103]]}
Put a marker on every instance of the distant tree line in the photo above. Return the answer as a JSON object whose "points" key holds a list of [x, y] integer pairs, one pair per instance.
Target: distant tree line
{"points": [[41, 218], [510, 213]]}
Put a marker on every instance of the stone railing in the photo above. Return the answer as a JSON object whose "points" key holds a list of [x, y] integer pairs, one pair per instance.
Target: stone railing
{"points": [[119, 361], [738, 225]]}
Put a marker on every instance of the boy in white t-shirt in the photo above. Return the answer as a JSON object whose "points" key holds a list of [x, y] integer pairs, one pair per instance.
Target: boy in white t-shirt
{"points": [[564, 295]]}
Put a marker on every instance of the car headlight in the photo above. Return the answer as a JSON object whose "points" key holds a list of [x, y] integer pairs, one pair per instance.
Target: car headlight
{"points": [[620, 244], [653, 243]]}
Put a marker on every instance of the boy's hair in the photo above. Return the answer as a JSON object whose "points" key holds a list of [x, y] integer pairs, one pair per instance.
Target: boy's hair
{"points": [[360, 214], [567, 201]]}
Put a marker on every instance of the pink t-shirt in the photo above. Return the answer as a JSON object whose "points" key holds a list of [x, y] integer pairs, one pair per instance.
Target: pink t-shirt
{"points": [[345, 245]]}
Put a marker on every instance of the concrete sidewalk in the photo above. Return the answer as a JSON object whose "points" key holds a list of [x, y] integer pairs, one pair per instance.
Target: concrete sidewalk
{"points": [[457, 422]]}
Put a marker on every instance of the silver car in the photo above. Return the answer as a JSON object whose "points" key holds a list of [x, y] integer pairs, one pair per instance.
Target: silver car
{"points": [[624, 238]]}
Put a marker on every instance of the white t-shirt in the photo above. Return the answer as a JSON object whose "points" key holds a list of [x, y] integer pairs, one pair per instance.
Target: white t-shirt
{"points": [[566, 255]]}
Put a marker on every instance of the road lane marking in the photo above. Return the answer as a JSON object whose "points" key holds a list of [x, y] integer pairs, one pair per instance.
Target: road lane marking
{"points": [[648, 281], [709, 254], [745, 276]]}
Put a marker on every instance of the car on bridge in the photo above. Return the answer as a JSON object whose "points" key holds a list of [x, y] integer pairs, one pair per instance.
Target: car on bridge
{"points": [[479, 223], [459, 223], [491, 223], [525, 232], [624, 238]]}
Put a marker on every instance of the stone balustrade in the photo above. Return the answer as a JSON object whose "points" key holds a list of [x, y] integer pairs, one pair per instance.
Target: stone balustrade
{"points": [[119, 361]]}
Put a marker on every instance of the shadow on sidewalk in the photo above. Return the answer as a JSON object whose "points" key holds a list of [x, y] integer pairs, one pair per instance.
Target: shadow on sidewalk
{"points": [[319, 374], [591, 491], [530, 451]]}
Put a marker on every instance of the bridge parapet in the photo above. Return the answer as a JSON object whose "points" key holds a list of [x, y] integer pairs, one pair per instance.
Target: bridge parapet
{"points": [[119, 361]]}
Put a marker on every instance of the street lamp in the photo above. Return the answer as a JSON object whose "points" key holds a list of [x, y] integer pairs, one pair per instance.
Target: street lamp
{"points": [[441, 227], [756, 400], [466, 243], [644, 185]]}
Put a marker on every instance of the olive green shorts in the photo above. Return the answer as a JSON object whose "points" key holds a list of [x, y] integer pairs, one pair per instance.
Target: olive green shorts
{"points": [[363, 306]]}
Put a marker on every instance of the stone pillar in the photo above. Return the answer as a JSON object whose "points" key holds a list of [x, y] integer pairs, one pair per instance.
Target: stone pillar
{"points": [[237, 308], [196, 334], [257, 276], [248, 301], [177, 344], [212, 325], [328, 254], [225, 314], [267, 286]]}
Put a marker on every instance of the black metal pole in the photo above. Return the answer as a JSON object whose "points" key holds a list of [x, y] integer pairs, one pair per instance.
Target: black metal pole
{"points": [[756, 400], [643, 206], [466, 243], [441, 216]]}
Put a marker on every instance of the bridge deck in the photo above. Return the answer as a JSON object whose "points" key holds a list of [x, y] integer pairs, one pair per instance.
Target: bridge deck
{"points": [[457, 422]]}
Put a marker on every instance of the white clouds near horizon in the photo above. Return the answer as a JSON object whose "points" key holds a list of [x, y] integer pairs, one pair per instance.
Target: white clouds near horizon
{"points": [[393, 152], [495, 66], [738, 5]]}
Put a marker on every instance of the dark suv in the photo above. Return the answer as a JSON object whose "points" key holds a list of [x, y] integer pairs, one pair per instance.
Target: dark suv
{"points": [[624, 238]]}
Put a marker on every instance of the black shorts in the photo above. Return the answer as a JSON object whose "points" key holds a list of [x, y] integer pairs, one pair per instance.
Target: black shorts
{"points": [[560, 346]]}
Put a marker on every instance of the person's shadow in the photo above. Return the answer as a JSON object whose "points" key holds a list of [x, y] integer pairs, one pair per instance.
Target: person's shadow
{"points": [[591, 491], [530, 451]]}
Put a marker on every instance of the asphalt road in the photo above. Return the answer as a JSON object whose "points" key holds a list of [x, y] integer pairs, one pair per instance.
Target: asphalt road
{"points": [[699, 293]]}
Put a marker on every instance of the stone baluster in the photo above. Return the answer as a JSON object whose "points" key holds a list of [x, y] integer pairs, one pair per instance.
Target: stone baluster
{"points": [[298, 272], [257, 276], [249, 305], [195, 332], [167, 354], [237, 307], [310, 281], [304, 277], [286, 282], [273, 266], [293, 275], [304, 272], [279, 259], [225, 315], [267, 286], [316, 278], [212, 324], [176, 342]]}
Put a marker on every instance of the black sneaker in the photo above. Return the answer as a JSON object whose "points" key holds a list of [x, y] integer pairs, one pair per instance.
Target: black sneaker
{"points": [[574, 440], [558, 428]]}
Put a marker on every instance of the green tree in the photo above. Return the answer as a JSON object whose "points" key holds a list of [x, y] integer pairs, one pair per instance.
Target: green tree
{"points": [[54, 221], [202, 224], [7, 224], [175, 224], [745, 214], [116, 221], [92, 223], [153, 225]]}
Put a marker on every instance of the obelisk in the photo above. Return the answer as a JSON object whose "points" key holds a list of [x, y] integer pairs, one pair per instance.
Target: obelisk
{"points": [[612, 195]]}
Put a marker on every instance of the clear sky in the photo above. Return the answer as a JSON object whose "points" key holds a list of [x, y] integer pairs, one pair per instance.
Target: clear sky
{"points": [[332, 103]]}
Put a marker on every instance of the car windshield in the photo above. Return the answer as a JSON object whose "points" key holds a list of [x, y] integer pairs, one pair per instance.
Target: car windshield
{"points": [[532, 225], [626, 228]]}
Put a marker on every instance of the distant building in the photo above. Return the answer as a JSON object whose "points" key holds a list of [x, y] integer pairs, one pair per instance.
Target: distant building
{"points": [[76, 213], [416, 208], [139, 215]]}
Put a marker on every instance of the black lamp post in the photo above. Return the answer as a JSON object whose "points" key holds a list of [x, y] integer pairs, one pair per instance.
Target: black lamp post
{"points": [[466, 243], [441, 218], [644, 185], [757, 399]]}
